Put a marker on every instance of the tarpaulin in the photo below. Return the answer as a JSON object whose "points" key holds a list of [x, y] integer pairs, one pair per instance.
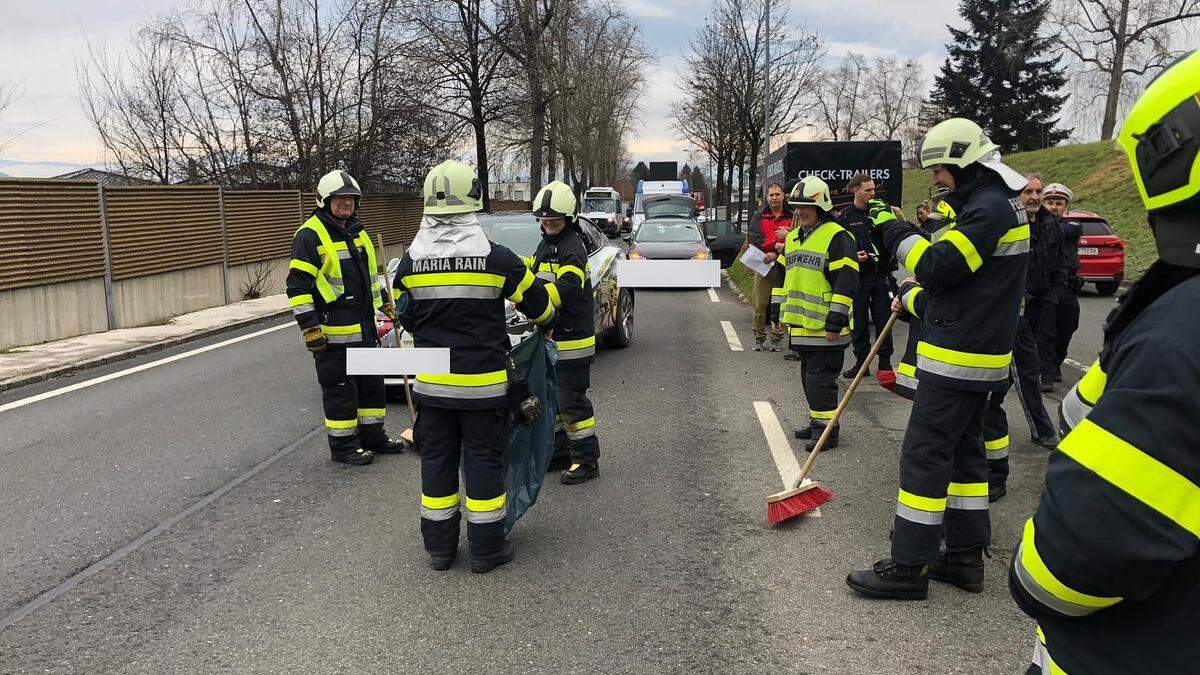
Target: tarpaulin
{"points": [[529, 450]]}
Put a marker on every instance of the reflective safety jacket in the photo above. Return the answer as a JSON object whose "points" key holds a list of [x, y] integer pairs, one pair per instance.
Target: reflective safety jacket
{"points": [[1109, 565], [975, 278], [562, 263], [458, 303], [822, 275], [331, 280]]}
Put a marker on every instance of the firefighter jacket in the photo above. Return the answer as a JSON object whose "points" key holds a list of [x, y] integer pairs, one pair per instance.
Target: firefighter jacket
{"points": [[1046, 269], [822, 275], [331, 280], [867, 238], [974, 276], [761, 233], [562, 263], [458, 303], [1109, 565]]}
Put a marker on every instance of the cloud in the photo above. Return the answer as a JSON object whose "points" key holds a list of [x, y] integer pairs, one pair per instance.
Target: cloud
{"points": [[649, 10]]}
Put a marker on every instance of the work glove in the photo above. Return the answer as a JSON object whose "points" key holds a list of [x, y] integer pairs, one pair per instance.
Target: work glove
{"points": [[315, 340], [880, 212], [389, 310]]}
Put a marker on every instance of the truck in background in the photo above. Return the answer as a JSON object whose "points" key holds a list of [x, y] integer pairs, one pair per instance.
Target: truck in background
{"points": [[602, 205]]}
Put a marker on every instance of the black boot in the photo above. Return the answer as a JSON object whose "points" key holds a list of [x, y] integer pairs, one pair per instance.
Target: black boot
{"points": [[391, 446], [963, 569], [357, 457], [803, 434], [581, 473], [890, 580], [815, 435], [849, 374], [441, 561], [996, 491], [485, 565]]}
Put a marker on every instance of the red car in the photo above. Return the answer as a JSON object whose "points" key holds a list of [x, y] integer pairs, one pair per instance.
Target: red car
{"points": [[1101, 252]]}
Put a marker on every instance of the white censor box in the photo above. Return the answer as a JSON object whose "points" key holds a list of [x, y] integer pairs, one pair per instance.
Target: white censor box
{"points": [[669, 273], [405, 361]]}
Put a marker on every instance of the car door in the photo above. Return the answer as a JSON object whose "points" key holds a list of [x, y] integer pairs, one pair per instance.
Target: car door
{"points": [[725, 239], [602, 273]]}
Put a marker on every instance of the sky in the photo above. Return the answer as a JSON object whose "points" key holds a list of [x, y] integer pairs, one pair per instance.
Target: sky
{"points": [[39, 42]]}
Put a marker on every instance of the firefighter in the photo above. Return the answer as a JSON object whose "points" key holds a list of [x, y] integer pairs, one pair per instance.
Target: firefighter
{"points": [[821, 277], [1109, 565], [561, 262], [1057, 198], [873, 299], [452, 285], [333, 292], [972, 279]]}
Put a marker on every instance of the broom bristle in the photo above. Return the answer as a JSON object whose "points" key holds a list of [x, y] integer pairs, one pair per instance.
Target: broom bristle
{"points": [[797, 505]]}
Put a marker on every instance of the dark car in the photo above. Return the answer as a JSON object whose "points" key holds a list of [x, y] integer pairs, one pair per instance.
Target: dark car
{"points": [[725, 240]]}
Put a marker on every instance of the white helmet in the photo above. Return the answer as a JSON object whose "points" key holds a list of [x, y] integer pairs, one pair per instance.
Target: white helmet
{"points": [[337, 183], [811, 191], [1058, 190], [452, 187]]}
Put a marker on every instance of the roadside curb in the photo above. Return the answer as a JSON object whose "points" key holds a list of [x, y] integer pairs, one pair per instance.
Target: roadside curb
{"points": [[34, 378], [734, 287]]}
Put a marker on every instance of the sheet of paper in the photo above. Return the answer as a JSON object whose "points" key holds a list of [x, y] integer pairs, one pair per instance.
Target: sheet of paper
{"points": [[753, 258]]}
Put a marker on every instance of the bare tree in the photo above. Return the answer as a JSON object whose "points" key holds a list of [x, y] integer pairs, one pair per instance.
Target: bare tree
{"points": [[1111, 40], [844, 111], [894, 93]]}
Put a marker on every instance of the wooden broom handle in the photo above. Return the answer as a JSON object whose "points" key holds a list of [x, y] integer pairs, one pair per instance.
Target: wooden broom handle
{"points": [[862, 370]]}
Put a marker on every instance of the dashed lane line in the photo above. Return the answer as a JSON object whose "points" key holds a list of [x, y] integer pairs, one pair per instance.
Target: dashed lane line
{"points": [[137, 369], [1076, 365], [731, 337], [712, 295], [781, 450]]}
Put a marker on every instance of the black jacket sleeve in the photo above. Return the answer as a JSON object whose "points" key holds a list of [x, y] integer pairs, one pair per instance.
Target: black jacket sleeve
{"points": [[571, 277], [959, 253], [521, 287], [842, 271], [301, 283]]}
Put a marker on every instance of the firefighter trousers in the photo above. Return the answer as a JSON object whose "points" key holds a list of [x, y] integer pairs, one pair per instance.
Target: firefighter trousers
{"points": [[1026, 375], [474, 439], [995, 438], [355, 405], [576, 432], [872, 300], [943, 476], [819, 369]]}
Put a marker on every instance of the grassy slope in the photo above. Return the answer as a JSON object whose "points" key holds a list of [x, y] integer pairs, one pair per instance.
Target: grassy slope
{"points": [[1098, 173]]}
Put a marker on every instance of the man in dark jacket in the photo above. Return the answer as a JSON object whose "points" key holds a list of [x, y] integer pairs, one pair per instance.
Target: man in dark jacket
{"points": [[561, 262], [762, 235], [972, 278], [1057, 198], [873, 299]]}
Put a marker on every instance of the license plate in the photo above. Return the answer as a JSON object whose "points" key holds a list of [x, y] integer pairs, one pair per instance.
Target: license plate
{"points": [[1089, 250]]}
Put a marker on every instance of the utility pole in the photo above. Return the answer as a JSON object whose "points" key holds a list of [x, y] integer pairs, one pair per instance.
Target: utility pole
{"points": [[766, 98]]}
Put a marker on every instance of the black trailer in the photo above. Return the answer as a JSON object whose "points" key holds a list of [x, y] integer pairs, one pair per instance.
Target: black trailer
{"points": [[835, 162]]}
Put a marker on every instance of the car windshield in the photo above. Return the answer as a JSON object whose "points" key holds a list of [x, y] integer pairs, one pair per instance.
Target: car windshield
{"points": [[597, 204], [520, 234], [1095, 228], [670, 207], [681, 232]]}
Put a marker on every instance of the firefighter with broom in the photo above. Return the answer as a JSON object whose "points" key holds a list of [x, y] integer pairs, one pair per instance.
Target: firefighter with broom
{"points": [[1109, 565], [452, 284], [972, 279], [821, 276]]}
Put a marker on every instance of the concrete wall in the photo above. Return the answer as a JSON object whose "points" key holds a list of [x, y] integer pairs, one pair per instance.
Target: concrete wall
{"points": [[154, 299], [243, 275], [52, 312]]}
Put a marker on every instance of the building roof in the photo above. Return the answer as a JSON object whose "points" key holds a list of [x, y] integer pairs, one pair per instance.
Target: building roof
{"points": [[106, 178]]}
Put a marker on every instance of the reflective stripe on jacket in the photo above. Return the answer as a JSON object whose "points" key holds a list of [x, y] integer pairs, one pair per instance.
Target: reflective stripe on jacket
{"points": [[821, 278]]}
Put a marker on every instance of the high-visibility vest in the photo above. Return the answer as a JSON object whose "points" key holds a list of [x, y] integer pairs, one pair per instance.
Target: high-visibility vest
{"points": [[809, 293], [329, 275]]}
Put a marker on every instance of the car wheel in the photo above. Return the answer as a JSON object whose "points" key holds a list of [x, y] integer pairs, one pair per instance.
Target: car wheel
{"points": [[621, 333], [1107, 287]]}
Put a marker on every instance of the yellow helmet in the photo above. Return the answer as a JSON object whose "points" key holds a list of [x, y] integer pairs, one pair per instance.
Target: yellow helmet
{"points": [[811, 191], [336, 183], [955, 141], [452, 187], [1161, 136], [556, 200]]}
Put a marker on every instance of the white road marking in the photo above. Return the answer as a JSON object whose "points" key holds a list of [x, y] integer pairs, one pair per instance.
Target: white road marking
{"points": [[712, 295], [137, 369], [781, 450], [1077, 365], [731, 337]]}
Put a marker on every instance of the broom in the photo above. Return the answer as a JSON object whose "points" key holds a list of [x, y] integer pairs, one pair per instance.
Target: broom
{"points": [[407, 434], [806, 496]]}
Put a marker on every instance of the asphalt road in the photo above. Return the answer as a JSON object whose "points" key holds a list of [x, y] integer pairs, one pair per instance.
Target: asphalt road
{"points": [[187, 519]]}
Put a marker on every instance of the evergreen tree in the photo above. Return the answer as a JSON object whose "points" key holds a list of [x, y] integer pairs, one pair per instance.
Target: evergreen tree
{"points": [[639, 172], [999, 73]]}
